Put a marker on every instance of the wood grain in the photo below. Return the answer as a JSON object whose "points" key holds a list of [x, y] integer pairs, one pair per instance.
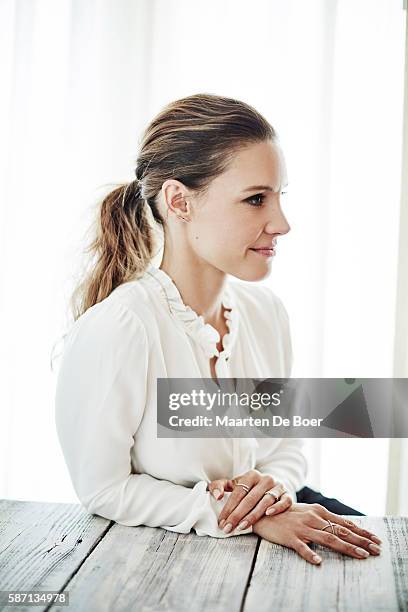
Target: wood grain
{"points": [[43, 544], [106, 566], [282, 580], [141, 568]]}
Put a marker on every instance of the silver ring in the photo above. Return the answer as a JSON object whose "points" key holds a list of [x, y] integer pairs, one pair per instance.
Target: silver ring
{"points": [[330, 524]]}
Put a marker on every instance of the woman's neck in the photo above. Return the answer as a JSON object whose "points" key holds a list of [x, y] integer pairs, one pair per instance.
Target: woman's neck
{"points": [[201, 287]]}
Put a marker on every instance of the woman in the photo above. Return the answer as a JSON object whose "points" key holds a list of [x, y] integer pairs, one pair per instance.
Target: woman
{"points": [[209, 174]]}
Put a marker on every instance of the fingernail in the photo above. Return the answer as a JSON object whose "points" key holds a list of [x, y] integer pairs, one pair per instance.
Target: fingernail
{"points": [[362, 552], [243, 525], [222, 523], [376, 549], [270, 510], [228, 528], [316, 558], [217, 494], [375, 539]]}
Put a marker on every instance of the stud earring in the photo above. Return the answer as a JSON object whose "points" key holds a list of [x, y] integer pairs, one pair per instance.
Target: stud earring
{"points": [[182, 218]]}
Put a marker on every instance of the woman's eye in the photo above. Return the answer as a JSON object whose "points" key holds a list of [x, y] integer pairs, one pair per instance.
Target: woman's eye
{"points": [[257, 202], [258, 199]]}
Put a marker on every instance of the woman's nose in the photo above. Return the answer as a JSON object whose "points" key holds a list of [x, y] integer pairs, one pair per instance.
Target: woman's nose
{"points": [[279, 224]]}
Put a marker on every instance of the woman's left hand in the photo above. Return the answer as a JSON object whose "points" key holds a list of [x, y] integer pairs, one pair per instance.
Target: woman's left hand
{"points": [[244, 509]]}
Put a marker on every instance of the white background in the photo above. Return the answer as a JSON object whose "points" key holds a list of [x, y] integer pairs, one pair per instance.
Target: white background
{"points": [[81, 79]]}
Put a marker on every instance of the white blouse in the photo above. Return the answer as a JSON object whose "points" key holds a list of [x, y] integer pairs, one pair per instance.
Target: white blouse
{"points": [[106, 409]]}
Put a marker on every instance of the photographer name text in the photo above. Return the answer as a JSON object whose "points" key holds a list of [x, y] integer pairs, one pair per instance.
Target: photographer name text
{"points": [[250, 421]]}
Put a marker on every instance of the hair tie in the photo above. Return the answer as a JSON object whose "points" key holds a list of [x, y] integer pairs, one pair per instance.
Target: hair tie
{"points": [[137, 185], [134, 190]]}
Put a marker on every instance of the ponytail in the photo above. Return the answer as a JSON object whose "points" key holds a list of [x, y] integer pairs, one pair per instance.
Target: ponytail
{"points": [[122, 246]]}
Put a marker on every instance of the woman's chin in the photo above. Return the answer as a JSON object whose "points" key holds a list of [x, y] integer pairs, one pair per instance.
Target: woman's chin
{"points": [[260, 276], [254, 273]]}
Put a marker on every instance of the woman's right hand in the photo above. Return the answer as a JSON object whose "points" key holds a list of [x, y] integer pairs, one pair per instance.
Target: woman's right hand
{"points": [[303, 523]]}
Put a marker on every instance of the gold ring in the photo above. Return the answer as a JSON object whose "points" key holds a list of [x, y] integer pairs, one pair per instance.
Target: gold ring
{"points": [[244, 486], [329, 525], [276, 496], [272, 495]]}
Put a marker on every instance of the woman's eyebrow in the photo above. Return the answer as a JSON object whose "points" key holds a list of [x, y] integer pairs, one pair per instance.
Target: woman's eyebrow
{"points": [[266, 187]]}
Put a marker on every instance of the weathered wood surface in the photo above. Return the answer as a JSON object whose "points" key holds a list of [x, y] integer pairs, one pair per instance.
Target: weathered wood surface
{"points": [[43, 544], [106, 566], [340, 583]]}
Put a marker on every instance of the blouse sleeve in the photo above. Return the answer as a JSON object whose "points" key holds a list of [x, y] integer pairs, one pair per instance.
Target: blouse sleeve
{"points": [[285, 462], [99, 403]]}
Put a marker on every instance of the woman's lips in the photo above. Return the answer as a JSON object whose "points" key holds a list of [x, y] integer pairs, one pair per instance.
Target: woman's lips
{"points": [[265, 252]]}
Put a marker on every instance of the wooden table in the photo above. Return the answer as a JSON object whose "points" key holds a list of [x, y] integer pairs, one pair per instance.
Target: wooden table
{"points": [[106, 566]]}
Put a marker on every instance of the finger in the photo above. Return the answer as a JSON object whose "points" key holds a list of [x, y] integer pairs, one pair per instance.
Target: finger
{"points": [[230, 485], [306, 553], [275, 494], [362, 532], [248, 502], [277, 490], [218, 487], [254, 505], [234, 501], [350, 536], [283, 504], [332, 541], [340, 520], [235, 498], [249, 510], [259, 511]]}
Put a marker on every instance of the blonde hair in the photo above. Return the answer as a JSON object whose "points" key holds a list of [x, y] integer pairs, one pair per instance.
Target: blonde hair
{"points": [[192, 140]]}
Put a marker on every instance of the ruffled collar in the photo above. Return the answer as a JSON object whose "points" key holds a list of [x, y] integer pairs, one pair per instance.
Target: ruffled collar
{"points": [[204, 333]]}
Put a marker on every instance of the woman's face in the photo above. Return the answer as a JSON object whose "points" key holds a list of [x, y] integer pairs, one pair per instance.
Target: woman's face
{"points": [[241, 212]]}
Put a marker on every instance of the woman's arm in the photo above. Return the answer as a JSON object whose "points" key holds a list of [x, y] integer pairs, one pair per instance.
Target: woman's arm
{"points": [[100, 398]]}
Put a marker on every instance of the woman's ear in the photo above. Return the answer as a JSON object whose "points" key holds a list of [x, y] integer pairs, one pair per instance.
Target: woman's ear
{"points": [[174, 194]]}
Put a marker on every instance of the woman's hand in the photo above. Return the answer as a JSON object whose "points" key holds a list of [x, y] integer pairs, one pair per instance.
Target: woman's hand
{"points": [[303, 524], [244, 509]]}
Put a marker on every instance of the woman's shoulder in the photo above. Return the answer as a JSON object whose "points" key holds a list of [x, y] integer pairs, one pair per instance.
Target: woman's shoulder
{"points": [[134, 296], [124, 312]]}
